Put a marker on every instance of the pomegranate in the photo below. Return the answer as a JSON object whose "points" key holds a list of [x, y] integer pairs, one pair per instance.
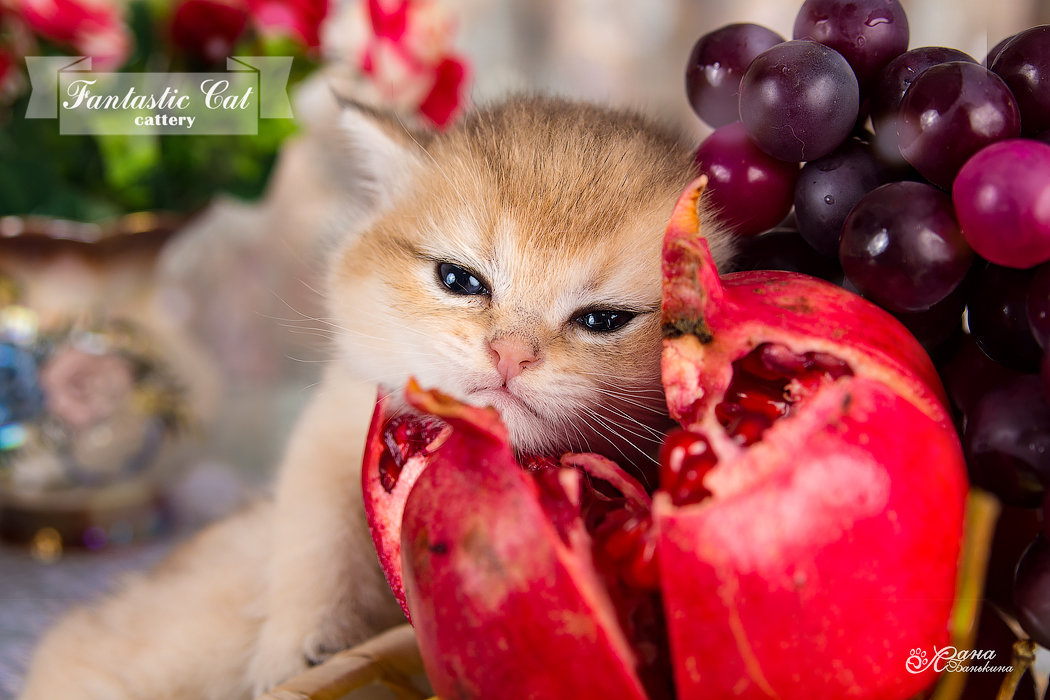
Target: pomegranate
{"points": [[802, 542]]}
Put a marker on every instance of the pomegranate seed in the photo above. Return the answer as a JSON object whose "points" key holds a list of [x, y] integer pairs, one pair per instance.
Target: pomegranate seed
{"points": [[404, 437]]}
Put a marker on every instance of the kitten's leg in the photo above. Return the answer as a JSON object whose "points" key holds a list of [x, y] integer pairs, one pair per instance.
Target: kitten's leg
{"points": [[181, 632], [325, 591]]}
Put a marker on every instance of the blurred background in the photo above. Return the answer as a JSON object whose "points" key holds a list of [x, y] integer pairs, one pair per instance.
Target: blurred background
{"points": [[160, 313]]}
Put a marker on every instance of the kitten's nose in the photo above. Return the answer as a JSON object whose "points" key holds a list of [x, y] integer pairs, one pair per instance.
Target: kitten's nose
{"points": [[511, 355]]}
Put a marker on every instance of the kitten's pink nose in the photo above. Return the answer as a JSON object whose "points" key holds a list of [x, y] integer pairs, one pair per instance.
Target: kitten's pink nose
{"points": [[511, 355]]}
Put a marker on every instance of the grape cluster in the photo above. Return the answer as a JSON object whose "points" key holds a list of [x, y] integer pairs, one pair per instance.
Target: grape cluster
{"points": [[919, 179]]}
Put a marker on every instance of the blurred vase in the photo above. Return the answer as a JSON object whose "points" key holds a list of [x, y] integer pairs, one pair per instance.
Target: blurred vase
{"points": [[99, 392]]}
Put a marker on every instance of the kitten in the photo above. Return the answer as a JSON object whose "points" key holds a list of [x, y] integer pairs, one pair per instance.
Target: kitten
{"points": [[512, 261]]}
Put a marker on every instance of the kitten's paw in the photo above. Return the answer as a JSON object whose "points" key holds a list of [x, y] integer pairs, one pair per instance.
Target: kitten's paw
{"points": [[278, 657]]}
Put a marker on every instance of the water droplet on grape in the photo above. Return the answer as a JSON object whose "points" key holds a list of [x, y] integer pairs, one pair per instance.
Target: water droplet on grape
{"points": [[829, 200]]}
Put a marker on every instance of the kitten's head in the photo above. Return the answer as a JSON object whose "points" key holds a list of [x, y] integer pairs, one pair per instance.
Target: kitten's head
{"points": [[515, 262]]}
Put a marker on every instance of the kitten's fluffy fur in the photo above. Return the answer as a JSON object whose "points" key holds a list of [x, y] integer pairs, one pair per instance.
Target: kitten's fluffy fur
{"points": [[560, 207]]}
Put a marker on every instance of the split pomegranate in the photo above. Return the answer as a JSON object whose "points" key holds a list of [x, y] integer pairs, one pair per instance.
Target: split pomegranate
{"points": [[802, 542]]}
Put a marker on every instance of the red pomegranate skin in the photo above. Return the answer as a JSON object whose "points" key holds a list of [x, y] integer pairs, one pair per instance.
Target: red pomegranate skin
{"points": [[504, 606], [827, 550]]}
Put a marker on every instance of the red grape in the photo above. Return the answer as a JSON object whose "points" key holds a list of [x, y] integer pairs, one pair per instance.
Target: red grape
{"points": [[827, 189], [1002, 199], [868, 33], [716, 64], [749, 190], [901, 246], [1024, 64], [950, 112], [799, 100]]}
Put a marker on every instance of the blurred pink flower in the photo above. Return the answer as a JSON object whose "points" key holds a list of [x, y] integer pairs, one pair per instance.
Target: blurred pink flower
{"points": [[83, 389], [299, 19], [208, 28], [409, 59], [91, 27]]}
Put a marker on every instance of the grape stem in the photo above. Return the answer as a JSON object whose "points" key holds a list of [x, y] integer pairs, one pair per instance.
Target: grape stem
{"points": [[982, 513], [1023, 657]]}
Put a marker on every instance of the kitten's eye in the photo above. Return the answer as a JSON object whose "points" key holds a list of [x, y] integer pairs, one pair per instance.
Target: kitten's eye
{"points": [[459, 280], [604, 320]]}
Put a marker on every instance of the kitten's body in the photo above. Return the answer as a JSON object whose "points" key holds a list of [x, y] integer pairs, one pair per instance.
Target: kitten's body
{"points": [[558, 210]]}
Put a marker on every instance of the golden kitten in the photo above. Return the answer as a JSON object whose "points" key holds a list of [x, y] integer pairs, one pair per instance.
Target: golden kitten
{"points": [[512, 261]]}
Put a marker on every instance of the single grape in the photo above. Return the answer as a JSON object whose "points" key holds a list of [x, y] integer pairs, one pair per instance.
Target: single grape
{"points": [[940, 322], [827, 189], [1002, 199], [1037, 306], [868, 33], [901, 246], [1024, 64], [990, 57], [896, 77], [950, 112], [997, 317], [716, 64], [785, 249], [1015, 528], [968, 373], [1007, 442], [799, 100], [749, 190], [1032, 591]]}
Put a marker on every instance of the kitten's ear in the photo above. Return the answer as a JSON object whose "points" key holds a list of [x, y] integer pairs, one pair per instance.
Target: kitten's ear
{"points": [[382, 152]]}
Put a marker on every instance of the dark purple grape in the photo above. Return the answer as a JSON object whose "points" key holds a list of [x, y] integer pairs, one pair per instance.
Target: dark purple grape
{"points": [[938, 323], [868, 33], [968, 373], [785, 249], [799, 100], [1014, 531], [1037, 306], [1032, 591], [990, 57], [749, 190], [950, 112], [1007, 442], [716, 64], [998, 319], [896, 77], [1024, 64], [902, 247], [827, 189]]}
